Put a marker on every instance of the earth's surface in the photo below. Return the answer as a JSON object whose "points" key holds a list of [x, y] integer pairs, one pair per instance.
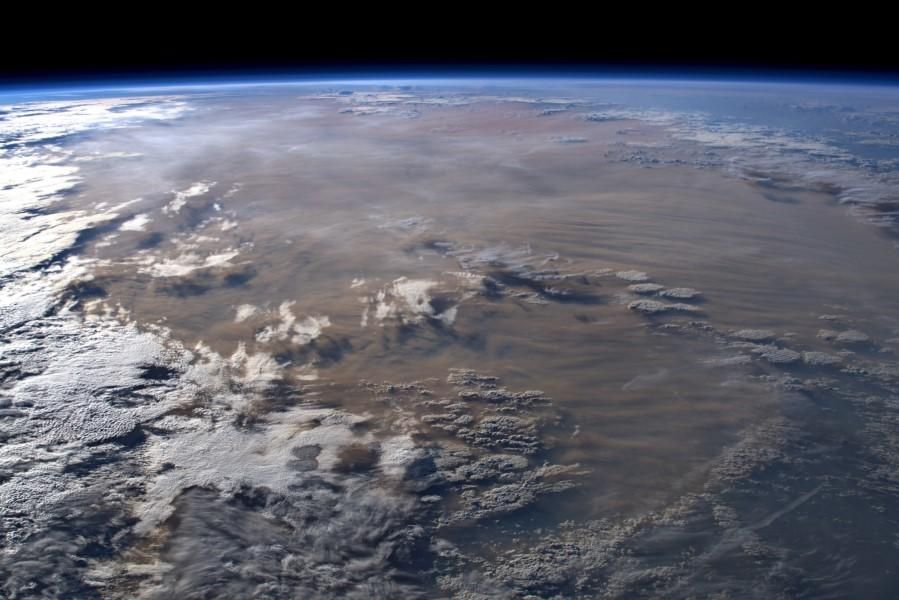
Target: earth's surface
{"points": [[459, 339]]}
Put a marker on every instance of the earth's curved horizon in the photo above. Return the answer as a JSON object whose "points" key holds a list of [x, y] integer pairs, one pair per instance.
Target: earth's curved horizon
{"points": [[450, 338]]}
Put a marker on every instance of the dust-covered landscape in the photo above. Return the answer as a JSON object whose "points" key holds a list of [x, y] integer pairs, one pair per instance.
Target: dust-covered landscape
{"points": [[531, 339]]}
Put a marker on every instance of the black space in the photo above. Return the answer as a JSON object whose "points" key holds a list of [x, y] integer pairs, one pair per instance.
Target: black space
{"points": [[445, 39]]}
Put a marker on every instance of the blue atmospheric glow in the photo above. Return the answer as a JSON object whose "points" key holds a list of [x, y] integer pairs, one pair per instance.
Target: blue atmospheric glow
{"points": [[517, 76]]}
